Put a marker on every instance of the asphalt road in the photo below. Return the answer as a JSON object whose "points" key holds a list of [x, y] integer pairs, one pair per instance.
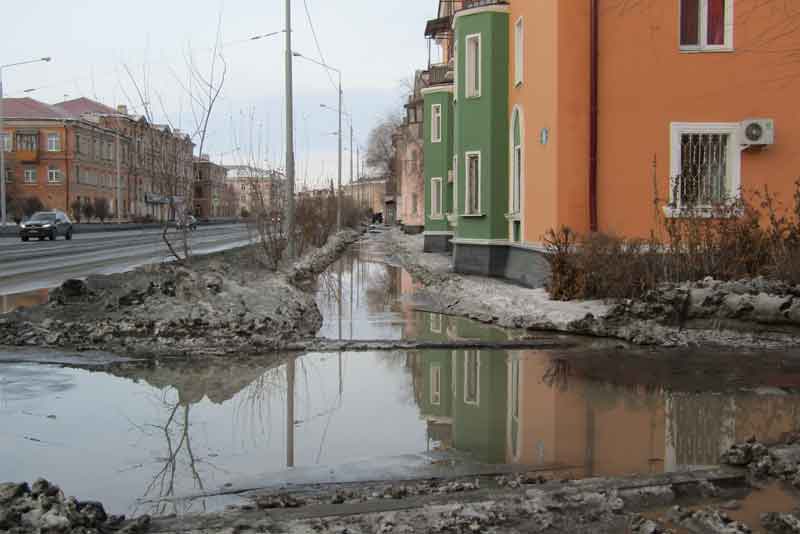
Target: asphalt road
{"points": [[38, 264]]}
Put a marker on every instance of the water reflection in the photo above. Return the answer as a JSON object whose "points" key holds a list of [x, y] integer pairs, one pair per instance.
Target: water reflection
{"points": [[15, 301], [561, 412]]}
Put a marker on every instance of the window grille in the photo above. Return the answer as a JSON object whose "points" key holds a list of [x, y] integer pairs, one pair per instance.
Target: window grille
{"points": [[703, 180]]}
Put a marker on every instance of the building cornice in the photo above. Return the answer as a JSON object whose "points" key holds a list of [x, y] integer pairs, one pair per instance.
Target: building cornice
{"points": [[498, 8], [437, 89]]}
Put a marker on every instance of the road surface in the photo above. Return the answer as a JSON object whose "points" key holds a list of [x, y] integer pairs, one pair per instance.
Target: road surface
{"points": [[26, 267]]}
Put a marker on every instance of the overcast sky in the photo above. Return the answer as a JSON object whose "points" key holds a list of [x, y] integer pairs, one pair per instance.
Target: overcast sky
{"points": [[376, 43]]}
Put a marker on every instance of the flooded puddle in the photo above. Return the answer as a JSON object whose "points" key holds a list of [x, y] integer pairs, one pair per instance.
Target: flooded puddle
{"points": [[132, 436]]}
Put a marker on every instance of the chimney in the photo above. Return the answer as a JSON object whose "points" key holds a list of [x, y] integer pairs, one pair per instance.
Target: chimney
{"points": [[122, 109]]}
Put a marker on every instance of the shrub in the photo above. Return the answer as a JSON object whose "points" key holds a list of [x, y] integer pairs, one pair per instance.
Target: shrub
{"points": [[31, 205], [75, 208], [88, 211], [102, 209], [746, 239]]}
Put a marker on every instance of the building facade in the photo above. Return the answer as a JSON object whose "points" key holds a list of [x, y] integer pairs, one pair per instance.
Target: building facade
{"points": [[252, 186], [603, 119], [71, 153], [212, 195], [408, 145]]}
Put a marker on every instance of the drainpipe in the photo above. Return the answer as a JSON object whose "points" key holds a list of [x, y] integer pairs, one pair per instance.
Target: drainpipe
{"points": [[593, 113]]}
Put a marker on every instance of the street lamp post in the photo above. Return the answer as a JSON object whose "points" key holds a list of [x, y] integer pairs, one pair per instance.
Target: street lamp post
{"points": [[339, 189], [3, 139], [352, 154]]}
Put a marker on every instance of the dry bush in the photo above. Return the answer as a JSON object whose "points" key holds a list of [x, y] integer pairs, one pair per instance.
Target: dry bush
{"points": [[749, 238]]}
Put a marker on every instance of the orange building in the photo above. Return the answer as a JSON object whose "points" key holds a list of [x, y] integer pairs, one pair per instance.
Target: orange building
{"points": [[694, 104]]}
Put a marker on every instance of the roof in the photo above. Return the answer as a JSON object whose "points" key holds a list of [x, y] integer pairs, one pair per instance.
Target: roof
{"points": [[436, 27], [28, 108], [82, 106]]}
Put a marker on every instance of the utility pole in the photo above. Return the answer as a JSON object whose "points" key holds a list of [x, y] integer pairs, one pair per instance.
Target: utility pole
{"points": [[289, 134], [339, 191]]}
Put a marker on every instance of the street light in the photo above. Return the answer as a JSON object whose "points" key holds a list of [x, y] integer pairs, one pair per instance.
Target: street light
{"points": [[339, 190], [3, 138], [350, 117]]}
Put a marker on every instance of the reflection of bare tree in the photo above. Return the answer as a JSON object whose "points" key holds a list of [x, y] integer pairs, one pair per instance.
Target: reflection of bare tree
{"points": [[177, 438], [557, 373]]}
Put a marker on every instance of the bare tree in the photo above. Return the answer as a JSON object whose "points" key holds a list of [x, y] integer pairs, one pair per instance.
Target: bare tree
{"points": [[380, 150]]}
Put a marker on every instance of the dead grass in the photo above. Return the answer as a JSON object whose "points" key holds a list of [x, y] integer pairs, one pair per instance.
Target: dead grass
{"points": [[758, 236]]}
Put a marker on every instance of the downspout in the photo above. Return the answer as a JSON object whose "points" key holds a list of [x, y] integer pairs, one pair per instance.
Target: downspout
{"points": [[593, 114]]}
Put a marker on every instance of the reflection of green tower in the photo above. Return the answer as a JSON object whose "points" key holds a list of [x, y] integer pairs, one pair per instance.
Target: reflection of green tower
{"points": [[479, 404], [436, 399]]}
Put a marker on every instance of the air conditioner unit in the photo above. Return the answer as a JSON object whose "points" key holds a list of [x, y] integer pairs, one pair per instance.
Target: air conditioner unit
{"points": [[758, 132]]}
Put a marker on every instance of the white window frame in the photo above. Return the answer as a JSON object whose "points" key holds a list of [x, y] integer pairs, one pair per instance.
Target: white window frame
{"points": [[53, 142], [53, 176], [467, 156], [436, 123], [455, 72], [678, 129], [30, 176], [436, 385], [473, 80], [519, 52], [477, 400], [436, 207], [5, 142], [455, 183], [436, 323], [703, 23], [454, 373]]}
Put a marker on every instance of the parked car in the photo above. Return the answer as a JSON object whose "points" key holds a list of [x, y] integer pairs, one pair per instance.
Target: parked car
{"points": [[46, 224], [190, 221]]}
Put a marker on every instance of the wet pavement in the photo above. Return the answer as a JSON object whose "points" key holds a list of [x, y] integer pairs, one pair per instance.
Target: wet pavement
{"points": [[141, 437]]}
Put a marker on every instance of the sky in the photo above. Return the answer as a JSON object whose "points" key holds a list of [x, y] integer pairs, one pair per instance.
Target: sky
{"points": [[377, 44]]}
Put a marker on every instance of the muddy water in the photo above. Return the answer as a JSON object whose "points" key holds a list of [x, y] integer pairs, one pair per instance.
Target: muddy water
{"points": [[135, 437]]}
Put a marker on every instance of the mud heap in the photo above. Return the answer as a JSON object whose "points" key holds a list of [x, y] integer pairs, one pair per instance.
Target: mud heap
{"points": [[227, 303]]}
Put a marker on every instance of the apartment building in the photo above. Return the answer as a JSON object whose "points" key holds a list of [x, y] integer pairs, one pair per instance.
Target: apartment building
{"points": [[601, 117], [55, 157], [408, 144], [251, 185]]}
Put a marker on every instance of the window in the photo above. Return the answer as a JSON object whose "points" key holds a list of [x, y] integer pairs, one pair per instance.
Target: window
{"points": [[519, 52], [472, 201], [436, 323], [436, 385], [5, 142], [705, 164], [28, 142], [53, 175], [453, 372], [455, 182], [473, 71], [436, 198], [472, 377], [9, 175], [53, 142], [516, 162], [436, 123], [414, 202], [78, 143], [706, 24], [30, 175]]}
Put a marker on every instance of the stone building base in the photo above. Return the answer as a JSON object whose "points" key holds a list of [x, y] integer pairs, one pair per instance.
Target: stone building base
{"points": [[523, 265], [437, 242], [413, 229]]}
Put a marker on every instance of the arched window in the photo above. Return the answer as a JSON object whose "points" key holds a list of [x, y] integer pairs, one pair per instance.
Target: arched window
{"points": [[517, 165]]}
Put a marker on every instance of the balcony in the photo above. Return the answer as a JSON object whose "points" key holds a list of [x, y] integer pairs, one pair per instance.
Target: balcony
{"points": [[440, 74], [469, 4], [27, 155]]}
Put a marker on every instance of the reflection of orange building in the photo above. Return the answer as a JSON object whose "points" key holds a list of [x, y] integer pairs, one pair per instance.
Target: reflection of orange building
{"points": [[23, 300], [557, 418]]}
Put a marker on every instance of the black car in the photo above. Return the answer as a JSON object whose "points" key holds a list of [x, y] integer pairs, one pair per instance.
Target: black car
{"points": [[46, 224]]}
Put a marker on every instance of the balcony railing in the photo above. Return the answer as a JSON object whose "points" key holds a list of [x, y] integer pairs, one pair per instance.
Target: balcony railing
{"points": [[469, 4]]}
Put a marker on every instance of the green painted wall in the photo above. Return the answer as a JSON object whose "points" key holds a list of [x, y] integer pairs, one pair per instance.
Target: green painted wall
{"points": [[481, 124], [434, 327], [480, 429], [439, 158]]}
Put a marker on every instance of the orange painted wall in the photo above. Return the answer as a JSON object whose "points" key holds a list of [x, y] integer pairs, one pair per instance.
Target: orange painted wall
{"points": [[537, 98], [646, 82]]}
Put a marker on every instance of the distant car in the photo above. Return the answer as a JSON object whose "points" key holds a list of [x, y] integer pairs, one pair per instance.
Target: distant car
{"points": [[190, 222], [46, 224]]}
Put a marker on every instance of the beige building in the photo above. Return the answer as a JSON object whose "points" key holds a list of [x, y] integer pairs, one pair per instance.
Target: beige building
{"points": [[251, 183]]}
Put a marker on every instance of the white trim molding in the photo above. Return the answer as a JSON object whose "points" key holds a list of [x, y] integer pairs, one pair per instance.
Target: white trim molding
{"points": [[436, 123], [437, 232], [438, 214], [520, 214], [470, 90], [499, 8]]}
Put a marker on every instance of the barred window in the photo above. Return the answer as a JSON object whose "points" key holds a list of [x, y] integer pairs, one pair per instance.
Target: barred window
{"points": [[706, 165], [53, 175], [29, 176]]}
